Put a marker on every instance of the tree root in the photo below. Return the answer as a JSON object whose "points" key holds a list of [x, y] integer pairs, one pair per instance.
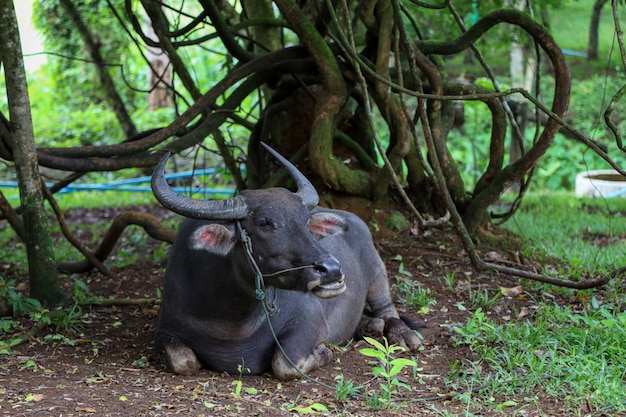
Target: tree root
{"points": [[151, 224]]}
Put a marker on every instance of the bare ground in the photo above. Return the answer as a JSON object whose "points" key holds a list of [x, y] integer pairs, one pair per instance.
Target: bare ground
{"points": [[108, 367]]}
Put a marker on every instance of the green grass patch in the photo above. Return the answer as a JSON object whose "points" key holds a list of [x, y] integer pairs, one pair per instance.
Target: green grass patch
{"points": [[89, 199], [133, 248], [575, 357], [100, 199], [587, 233], [569, 24]]}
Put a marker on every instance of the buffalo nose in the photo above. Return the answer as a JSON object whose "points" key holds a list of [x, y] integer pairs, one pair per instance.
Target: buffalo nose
{"points": [[329, 267]]}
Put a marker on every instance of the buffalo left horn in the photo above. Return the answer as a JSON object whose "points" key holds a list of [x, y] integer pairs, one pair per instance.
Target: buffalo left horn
{"points": [[228, 209]]}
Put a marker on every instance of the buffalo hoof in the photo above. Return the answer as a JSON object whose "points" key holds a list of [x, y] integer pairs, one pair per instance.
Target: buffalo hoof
{"points": [[398, 333], [284, 369], [180, 359], [371, 327]]}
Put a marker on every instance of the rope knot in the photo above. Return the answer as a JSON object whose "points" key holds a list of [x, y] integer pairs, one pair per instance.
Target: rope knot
{"points": [[260, 294]]}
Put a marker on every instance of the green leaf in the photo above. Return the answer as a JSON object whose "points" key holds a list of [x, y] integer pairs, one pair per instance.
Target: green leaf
{"points": [[506, 404], [403, 362], [314, 408], [379, 371], [398, 364], [375, 343], [372, 353]]}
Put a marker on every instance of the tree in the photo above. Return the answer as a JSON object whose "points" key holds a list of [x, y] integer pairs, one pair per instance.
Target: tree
{"points": [[20, 138], [318, 80], [594, 28], [308, 78]]}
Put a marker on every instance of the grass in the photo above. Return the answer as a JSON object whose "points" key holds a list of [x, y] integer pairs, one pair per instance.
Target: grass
{"points": [[133, 249], [569, 23], [574, 356], [572, 353], [89, 199], [587, 233]]}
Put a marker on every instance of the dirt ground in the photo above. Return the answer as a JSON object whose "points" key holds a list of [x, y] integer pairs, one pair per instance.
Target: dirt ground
{"points": [[109, 367]]}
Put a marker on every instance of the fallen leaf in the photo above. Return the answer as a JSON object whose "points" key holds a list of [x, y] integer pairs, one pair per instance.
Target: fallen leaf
{"points": [[523, 313], [85, 410], [542, 353], [512, 292], [448, 396], [34, 397], [514, 257], [166, 406], [494, 256]]}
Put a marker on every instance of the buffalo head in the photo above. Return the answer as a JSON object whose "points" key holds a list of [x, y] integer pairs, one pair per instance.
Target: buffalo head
{"points": [[284, 229]]}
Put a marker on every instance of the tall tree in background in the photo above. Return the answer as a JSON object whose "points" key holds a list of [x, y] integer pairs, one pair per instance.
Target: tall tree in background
{"points": [[44, 284], [594, 28]]}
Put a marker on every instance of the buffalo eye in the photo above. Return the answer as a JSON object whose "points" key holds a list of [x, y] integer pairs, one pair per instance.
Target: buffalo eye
{"points": [[264, 222]]}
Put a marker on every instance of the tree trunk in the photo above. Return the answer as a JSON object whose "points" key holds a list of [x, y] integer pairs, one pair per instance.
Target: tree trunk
{"points": [[159, 75], [594, 27], [44, 282], [115, 101], [517, 70]]}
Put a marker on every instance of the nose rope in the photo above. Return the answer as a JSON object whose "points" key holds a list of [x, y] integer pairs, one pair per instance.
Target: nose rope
{"points": [[282, 271], [260, 291]]}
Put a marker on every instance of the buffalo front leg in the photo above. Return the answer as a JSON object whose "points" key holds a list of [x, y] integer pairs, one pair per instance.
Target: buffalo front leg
{"points": [[178, 357], [381, 304], [285, 369]]}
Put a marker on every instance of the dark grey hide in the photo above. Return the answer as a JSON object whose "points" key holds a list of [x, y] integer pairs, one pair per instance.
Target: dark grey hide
{"points": [[210, 315]]}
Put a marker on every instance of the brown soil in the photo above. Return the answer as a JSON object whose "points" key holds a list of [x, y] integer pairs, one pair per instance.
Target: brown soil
{"points": [[111, 368]]}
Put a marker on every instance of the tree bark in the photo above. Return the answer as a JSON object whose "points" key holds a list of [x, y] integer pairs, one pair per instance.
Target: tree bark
{"points": [[159, 75], [44, 282], [328, 103], [594, 28]]}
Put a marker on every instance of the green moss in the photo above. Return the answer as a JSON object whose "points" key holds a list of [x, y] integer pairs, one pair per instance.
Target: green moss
{"points": [[397, 221]]}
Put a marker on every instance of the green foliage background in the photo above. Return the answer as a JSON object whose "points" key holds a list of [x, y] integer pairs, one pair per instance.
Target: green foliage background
{"points": [[69, 111]]}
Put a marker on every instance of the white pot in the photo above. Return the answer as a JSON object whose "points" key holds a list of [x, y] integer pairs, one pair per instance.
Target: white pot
{"points": [[605, 183]]}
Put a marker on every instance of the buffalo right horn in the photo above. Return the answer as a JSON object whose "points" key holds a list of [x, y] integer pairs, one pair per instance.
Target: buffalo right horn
{"points": [[306, 190]]}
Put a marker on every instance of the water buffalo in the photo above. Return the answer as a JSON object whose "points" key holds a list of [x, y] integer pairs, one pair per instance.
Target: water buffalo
{"points": [[317, 266]]}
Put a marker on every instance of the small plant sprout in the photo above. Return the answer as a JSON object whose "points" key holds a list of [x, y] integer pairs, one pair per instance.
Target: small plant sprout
{"points": [[449, 279], [412, 294], [18, 303], [388, 369], [239, 383], [344, 389], [481, 298]]}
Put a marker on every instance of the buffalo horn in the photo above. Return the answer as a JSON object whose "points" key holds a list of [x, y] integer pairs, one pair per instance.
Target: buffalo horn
{"points": [[229, 209], [306, 191]]}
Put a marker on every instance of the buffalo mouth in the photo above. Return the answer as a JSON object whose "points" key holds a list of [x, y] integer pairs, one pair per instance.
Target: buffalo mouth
{"points": [[329, 290]]}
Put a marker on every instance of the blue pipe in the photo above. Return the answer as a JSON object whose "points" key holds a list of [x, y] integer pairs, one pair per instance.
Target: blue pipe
{"points": [[616, 193], [128, 184]]}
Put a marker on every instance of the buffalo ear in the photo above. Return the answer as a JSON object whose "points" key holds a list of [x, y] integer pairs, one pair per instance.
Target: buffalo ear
{"points": [[327, 224], [215, 238]]}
